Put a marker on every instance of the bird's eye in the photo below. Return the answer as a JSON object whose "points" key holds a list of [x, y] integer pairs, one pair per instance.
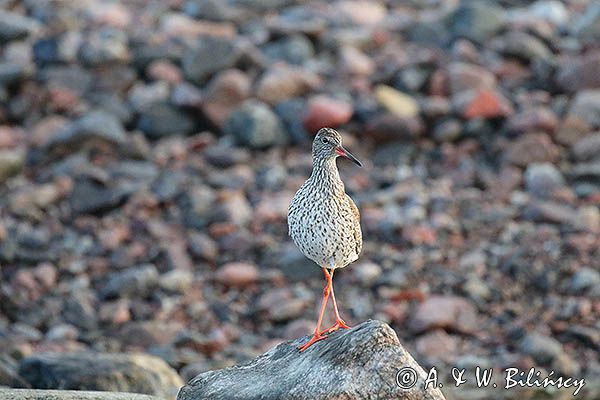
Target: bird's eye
{"points": [[325, 140]]}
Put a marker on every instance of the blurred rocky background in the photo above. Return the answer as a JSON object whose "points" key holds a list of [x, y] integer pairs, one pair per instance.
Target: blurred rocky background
{"points": [[149, 150]]}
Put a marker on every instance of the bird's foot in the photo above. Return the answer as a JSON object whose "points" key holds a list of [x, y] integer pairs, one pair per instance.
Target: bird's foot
{"points": [[315, 338], [339, 324]]}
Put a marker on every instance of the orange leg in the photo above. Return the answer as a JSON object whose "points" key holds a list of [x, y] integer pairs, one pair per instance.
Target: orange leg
{"points": [[339, 322], [318, 335]]}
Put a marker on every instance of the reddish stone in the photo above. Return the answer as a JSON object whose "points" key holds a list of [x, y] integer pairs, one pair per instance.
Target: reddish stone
{"points": [[487, 103], [237, 274], [323, 111]]}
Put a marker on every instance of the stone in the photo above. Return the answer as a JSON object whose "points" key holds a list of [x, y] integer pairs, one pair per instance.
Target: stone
{"points": [[552, 11], [95, 125], [580, 73], [295, 49], [103, 47], [14, 26], [484, 103], [543, 179], [585, 278], [476, 20], [362, 362], [11, 163], [137, 373], [133, 282], [255, 125], [354, 62], [396, 102], [464, 76], [533, 120], [385, 128], [162, 119], [281, 82], [32, 394], [89, 197], [532, 148], [208, 56], [586, 106], [521, 45], [587, 26], [588, 148], [224, 93], [323, 111], [447, 312], [9, 375], [238, 274], [549, 212], [543, 349], [361, 12]]}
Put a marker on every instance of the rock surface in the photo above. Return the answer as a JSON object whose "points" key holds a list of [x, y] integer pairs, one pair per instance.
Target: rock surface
{"points": [[29, 394], [360, 363], [137, 373]]}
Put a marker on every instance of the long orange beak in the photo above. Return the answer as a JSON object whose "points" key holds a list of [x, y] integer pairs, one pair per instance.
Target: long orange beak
{"points": [[340, 151]]}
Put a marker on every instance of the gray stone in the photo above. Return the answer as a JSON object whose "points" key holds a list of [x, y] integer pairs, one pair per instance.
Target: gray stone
{"points": [[162, 119], [134, 282], [137, 373], [588, 148], [477, 20], [95, 125], [295, 49], [210, 55], [15, 26], [542, 348], [584, 279], [32, 394], [541, 179], [360, 363], [587, 27], [586, 106], [255, 125]]}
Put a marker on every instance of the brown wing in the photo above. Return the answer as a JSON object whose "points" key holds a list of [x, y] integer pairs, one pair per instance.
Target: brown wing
{"points": [[357, 230]]}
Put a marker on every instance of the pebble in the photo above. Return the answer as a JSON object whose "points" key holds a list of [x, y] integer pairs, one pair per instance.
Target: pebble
{"points": [[294, 49], [224, 93], [208, 56], [477, 21], [158, 120], [282, 82], [255, 125], [532, 148], [463, 76], [325, 111], [542, 348], [134, 282], [447, 312], [585, 278], [15, 26], [237, 274], [11, 163], [543, 179], [396, 102]]}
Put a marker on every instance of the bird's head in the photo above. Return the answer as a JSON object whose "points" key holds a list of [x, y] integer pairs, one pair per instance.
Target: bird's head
{"points": [[328, 144]]}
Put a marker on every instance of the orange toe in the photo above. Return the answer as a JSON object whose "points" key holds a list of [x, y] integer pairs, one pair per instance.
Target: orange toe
{"points": [[340, 324], [316, 337]]}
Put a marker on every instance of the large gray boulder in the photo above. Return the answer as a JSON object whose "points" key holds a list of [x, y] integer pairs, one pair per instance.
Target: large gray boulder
{"points": [[359, 363], [136, 373], [29, 394]]}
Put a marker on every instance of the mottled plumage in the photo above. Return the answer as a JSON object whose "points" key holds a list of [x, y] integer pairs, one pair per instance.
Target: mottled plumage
{"points": [[323, 220]]}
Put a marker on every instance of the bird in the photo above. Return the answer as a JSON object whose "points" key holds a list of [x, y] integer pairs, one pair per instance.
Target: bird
{"points": [[324, 222]]}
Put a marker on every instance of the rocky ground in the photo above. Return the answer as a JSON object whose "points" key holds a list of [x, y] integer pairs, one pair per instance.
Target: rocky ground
{"points": [[149, 151]]}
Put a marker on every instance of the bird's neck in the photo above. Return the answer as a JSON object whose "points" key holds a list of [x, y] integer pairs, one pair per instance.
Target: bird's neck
{"points": [[325, 174]]}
